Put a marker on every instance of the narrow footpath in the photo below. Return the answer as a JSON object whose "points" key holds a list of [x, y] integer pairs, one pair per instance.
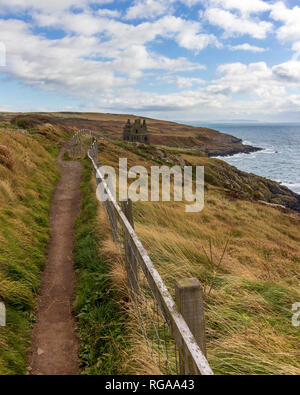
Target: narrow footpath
{"points": [[55, 345]]}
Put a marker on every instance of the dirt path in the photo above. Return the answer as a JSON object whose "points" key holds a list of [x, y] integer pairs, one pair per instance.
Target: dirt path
{"points": [[55, 346]]}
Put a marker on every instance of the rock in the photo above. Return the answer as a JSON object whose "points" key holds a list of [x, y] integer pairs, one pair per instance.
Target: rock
{"points": [[40, 352]]}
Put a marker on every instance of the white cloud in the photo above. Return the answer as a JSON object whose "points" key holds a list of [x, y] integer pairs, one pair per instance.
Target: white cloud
{"points": [[253, 79], [81, 64], [180, 81], [153, 8], [187, 34], [236, 25], [246, 7], [246, 47], [55, 64], [188, 82], [109, 13], [46, 5], [102, 56], [290, 29], [148, 9], [296, 48], [263, 88], [290, 17], [288, 72], [84, 23]]}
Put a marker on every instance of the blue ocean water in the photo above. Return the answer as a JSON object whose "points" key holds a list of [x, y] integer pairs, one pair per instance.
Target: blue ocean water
{"points": [[280, 158]]}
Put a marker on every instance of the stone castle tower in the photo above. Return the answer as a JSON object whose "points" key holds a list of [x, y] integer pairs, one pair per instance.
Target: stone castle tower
{"points": [[136, 132]]}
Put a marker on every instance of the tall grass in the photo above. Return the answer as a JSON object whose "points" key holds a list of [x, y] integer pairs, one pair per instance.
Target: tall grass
{"points": [[27, 182], [101, 322], [110, 336], [248, 311]]}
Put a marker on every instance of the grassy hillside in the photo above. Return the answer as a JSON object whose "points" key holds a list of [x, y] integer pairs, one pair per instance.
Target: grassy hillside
{"points": [[249, 298], [28, 175], [170, 142], [172, 134], [235, 183]]}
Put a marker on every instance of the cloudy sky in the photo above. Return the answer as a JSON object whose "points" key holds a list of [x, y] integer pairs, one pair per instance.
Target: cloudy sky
{"points": [[194, 60]]}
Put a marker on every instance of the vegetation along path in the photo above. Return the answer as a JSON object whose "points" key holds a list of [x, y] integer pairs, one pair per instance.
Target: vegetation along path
{"points": [[55, 346]]}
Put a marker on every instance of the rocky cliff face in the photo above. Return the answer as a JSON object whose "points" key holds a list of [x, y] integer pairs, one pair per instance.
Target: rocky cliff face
{"points": [[211, 142], [235, 183], [251, 186]]}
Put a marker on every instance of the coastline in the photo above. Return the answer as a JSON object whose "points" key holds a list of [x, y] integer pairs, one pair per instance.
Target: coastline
{"points": [[245, 149], [276, 187], [279, 158], [172, 138]]}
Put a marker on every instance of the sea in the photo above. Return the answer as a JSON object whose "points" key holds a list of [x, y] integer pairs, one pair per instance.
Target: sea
{"points": [[280, 158]]}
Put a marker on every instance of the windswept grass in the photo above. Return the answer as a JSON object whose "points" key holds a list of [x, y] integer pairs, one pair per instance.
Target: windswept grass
{"points": [[28, 174], [109, 332], [97, 304], [249, 311]]}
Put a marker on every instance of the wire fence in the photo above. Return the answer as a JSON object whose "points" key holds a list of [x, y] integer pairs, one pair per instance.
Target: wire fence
{"points": [[169, 338]]}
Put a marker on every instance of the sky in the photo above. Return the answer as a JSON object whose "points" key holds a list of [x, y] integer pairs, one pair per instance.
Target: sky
{"points": [[190, 60]]}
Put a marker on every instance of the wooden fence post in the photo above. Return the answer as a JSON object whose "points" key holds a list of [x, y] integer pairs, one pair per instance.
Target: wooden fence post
{"points": [[2, 314], [190, 303], [113, 222], [109, 209], [127, 209], [131, 263], [98, 179]]}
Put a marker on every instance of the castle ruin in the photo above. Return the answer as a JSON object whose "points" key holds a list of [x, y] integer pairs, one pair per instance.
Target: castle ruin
{"points": [[136, 132]]}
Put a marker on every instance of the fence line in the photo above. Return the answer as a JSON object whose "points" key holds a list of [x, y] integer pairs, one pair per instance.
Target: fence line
{"points": [[155, 304]]}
